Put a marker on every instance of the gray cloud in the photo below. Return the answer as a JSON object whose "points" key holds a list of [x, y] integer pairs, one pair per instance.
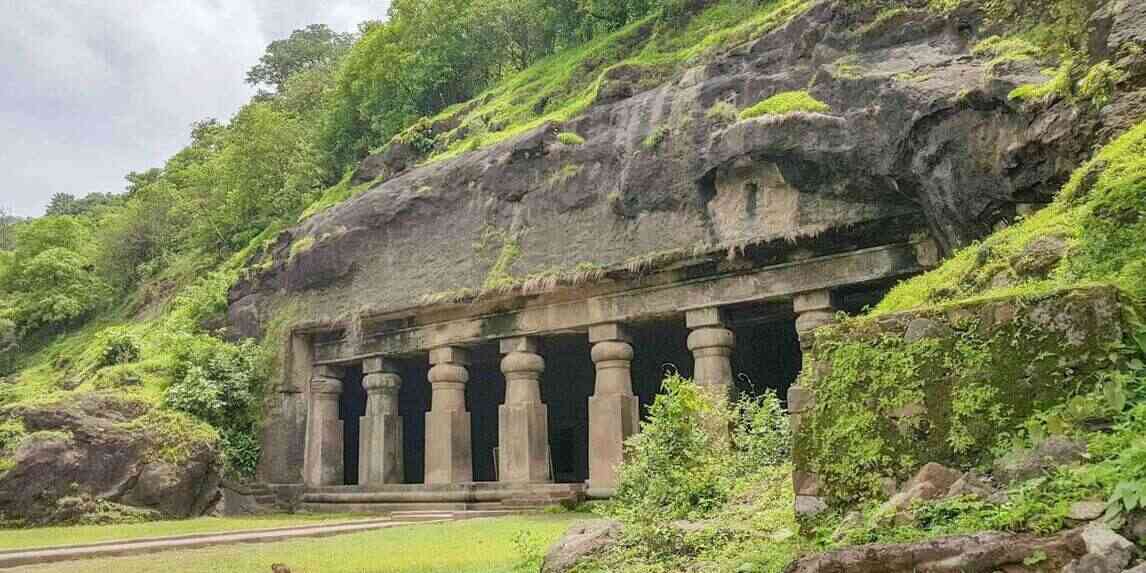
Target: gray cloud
{"points": [[93, 89]]}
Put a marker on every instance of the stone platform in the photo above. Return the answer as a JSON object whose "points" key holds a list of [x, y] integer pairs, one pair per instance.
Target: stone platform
{"points": [[489, 496]]}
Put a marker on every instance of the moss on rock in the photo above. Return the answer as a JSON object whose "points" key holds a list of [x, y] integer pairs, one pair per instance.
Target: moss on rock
{"points": [[946, 384]]}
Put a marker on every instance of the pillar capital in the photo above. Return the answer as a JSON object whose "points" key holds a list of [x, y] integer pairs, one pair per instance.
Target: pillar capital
{"points": [[611, 351], [813, 310], [814, 300], [522, 362], [376, 364], [610, 331], [381, 382], [706, 338], [326, 386], [704, 317], [450, 355], [326, 371], [519, 344]]}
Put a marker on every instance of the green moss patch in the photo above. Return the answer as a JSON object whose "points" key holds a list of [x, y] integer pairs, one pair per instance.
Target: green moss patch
{"points": [[946, 385], [786, 102]]}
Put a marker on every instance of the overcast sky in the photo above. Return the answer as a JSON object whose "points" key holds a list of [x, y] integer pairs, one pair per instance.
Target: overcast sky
{"points": [[93, 89]]}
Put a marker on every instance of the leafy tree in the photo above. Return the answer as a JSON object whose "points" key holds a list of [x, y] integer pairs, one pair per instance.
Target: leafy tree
{"points": [[62, 204], [55, 288], [313, 46]]}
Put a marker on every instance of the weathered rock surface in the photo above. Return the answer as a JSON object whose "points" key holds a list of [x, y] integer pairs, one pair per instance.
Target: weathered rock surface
{"points": [[86, 449], [580, 541], [1025, 464], [921, 137], [1094, 549]]}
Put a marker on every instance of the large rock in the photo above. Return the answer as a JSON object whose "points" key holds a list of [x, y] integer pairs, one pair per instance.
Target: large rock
{"points": [[88, 448], [980, 552], [580, 541], [1106, 552], [1025, 464]]}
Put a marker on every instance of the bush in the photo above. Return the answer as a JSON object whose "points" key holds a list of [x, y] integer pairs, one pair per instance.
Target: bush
{"points": [[570, 138], [220, 383], [118, 346], [685, 464], [786, 102], [721, 465]]}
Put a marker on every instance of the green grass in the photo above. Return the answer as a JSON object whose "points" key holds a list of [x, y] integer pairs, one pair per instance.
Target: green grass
{"points": [[477, 546], [786, 102], [84, 534]]}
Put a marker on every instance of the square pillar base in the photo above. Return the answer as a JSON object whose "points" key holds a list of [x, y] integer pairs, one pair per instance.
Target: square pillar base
{"points": [[380, 450], [326, 453], [523, 443], [612, 419], [448, 448]]}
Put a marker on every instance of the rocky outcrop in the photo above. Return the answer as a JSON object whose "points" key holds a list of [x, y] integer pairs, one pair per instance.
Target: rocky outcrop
{"points": [[101, 448], [921, 136]]}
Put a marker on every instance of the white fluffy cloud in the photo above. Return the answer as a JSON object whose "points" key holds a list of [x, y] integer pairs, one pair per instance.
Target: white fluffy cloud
{"points": [[92, 89]]}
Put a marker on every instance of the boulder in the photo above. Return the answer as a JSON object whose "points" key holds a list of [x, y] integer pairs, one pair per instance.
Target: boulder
{"points": [[971, 484], [1040, 256], [580, 541], [1106, 552], [979, 552], [933, 481], [1086, 510], [1025, 464], [88, 447]]}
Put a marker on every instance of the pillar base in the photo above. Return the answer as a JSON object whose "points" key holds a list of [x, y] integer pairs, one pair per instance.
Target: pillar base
{"points": [[380, 450], [448, 448], [327, 454], [612, 419], [523, 429]]}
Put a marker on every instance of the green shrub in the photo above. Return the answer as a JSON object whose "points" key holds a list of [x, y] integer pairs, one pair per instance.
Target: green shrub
{"points": [[221, 384], [118, 346], [570, 138], [786, 102], [1099, 84], [714, 462], [721, 112]]}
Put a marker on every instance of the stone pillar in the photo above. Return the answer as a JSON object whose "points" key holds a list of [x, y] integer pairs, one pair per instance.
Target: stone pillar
{"points": [[613, 413], [448, 449], [813, 310], [380, 432], [324, 429], [523, 420], [711, 346]]}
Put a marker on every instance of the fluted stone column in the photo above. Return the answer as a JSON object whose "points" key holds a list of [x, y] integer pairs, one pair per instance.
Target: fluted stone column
{"points": [[711, 346], [613, 409], [449, 457], [523, 420], [324, 429], [380, 432]]}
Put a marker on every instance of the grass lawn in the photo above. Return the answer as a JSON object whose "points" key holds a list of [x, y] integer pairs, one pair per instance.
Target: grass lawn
{"points": [[50, 536], [474, 546]]}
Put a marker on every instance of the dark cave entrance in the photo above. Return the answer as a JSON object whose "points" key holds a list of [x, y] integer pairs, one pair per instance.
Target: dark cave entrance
{"points": [[351, 408], [413, 403], [767, 355], [484, 393], [566, 385], [660, 347]]}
